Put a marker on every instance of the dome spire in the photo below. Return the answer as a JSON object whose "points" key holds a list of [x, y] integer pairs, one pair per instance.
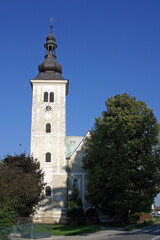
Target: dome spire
{"points": [[50, 68], [50, 45]]}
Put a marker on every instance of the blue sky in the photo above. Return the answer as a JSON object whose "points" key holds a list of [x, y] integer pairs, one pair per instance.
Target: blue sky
{"points": [[105, 47]]}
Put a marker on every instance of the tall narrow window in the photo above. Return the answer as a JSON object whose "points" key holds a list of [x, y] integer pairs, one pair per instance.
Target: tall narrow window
{"points": [[46, 97], [51, 97], [48, 191], [48, 157], [48, 128], [76, 182]]}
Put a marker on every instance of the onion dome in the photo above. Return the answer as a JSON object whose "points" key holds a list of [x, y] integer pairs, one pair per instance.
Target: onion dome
{"points": [[50, 69]]}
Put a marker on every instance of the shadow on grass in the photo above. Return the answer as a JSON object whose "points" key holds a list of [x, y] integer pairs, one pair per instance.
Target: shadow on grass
{"points": [[67, 230]]}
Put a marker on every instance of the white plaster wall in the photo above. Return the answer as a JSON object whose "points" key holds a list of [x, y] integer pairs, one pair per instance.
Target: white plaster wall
{"points": [[54, 142], [75, 164]]}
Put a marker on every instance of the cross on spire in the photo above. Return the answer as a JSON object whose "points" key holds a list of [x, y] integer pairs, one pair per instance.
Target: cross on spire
{"points": [[51, 22]]}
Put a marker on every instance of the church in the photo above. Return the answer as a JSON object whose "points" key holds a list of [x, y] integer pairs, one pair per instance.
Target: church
{"points": [[60, 156]]}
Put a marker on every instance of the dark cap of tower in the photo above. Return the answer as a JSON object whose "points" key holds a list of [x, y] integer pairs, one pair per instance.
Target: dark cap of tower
{"points": [[50, 69]]}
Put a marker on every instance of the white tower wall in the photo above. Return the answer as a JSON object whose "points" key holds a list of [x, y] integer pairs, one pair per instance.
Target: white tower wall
{"points": [[52, 207]]}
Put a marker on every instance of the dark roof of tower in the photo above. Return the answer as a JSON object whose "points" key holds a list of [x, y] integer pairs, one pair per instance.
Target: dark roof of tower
{"points": [[50, 69]]}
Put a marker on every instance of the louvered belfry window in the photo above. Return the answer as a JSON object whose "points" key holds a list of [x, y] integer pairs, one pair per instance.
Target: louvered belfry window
{"points": [[46, 97], [51, 97]]}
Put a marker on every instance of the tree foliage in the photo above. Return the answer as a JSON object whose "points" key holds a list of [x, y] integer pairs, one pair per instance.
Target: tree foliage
{"points": [[7, 214], [21, 182], [7, 219], [75, 206], [122, 157]]}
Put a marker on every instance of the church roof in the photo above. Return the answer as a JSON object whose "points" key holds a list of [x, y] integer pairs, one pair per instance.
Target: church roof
{"points": [[72, 143]]}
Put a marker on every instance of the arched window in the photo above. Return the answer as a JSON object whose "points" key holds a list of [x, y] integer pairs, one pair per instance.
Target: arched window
{"points": [[46, 97], [51, 99], [48, 128], [48, 157], [76, 183], [48, 191]]}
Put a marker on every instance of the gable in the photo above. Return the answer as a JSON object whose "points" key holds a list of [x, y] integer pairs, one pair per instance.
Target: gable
{"points": [[72, 142]]}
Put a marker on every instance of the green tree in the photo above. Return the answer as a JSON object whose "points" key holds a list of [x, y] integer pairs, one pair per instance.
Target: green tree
{"points": [[7, 214], [21, 182], [75, 206], [122, 158], [7, 219]]}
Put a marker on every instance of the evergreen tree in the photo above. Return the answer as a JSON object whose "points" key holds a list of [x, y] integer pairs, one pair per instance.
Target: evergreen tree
{"points": [[122, 158], [75, 206]]}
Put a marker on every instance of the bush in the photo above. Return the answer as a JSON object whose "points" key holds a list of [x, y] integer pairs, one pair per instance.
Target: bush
{"points": [[7, 215], [149, 221], [7, 219]]}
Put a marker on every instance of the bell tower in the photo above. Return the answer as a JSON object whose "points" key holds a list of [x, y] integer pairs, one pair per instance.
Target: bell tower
{"points": [[48, 130]]}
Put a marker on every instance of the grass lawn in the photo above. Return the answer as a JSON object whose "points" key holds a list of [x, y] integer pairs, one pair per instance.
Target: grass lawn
{"points": [[145, 224], [67, 230]]}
